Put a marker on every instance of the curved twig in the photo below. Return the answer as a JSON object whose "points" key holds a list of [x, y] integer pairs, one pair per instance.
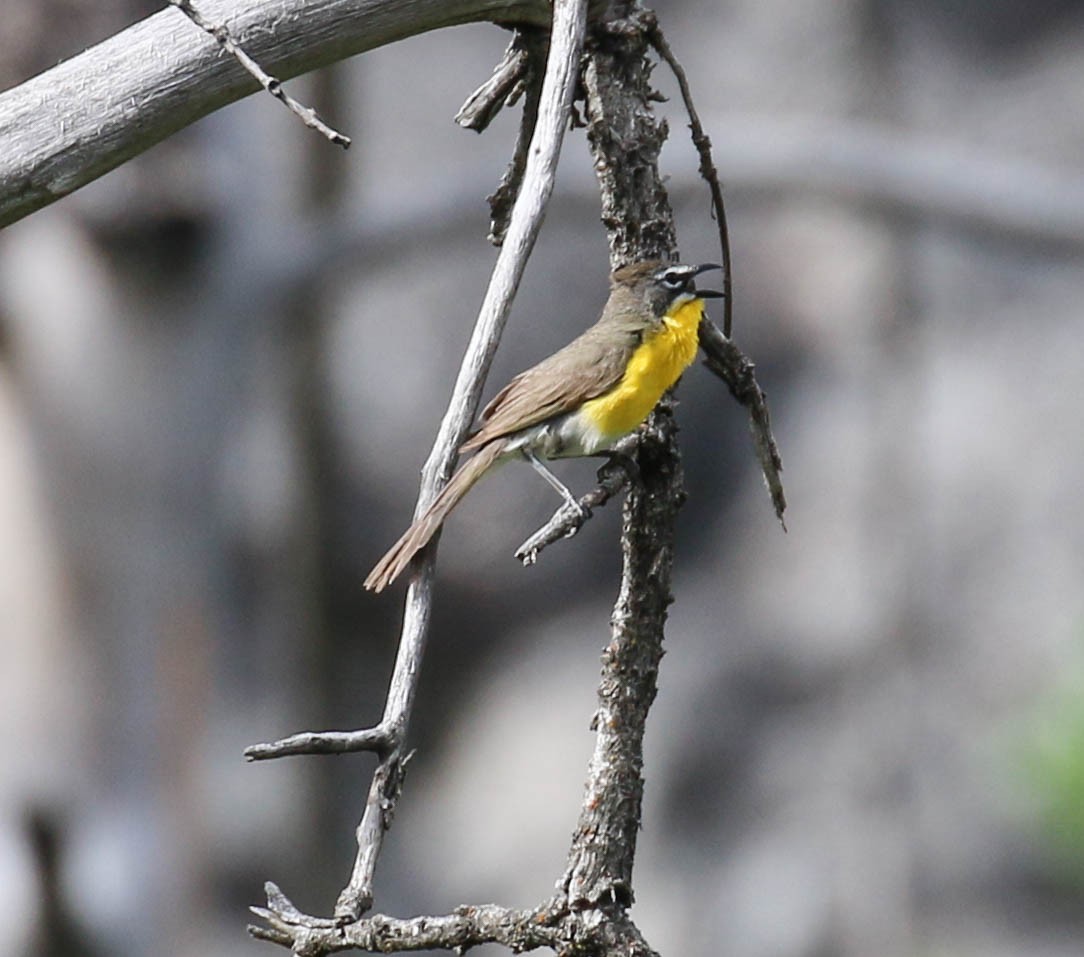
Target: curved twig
{"points": [[702, 142]]}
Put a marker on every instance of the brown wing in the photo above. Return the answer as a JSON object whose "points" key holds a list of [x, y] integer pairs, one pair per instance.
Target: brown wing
{"points": [[585, 368]]}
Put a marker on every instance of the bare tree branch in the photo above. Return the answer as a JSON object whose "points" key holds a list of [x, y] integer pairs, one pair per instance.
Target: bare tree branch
{"points": [[82, 118], [589, 912], [606, 931], [640, 224], [519, 930], [555, 103]]}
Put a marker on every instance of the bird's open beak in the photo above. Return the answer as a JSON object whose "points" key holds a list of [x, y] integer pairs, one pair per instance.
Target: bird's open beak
{"points": [[708, 293]]}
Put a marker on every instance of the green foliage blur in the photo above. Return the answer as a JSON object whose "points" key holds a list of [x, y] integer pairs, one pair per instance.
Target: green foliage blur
{"points": [[1053, 764]]}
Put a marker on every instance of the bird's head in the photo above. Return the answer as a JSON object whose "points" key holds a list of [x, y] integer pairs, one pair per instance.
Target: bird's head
{"points": [[659, 288]]}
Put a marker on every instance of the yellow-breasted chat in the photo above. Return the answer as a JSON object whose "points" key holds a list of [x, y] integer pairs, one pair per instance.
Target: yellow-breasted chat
{"points": [[583, 398]]}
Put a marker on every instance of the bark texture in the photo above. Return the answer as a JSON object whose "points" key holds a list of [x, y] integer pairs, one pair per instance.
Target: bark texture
{"points": [[69, 125]]}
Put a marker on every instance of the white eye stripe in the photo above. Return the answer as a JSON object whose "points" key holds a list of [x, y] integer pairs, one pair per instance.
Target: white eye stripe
{"points": [[675, 278]]}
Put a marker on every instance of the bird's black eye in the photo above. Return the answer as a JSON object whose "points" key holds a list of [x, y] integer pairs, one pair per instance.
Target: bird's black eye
{"points": [[675, 279]]}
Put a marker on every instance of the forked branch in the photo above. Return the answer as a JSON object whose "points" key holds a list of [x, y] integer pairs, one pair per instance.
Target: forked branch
{"points": [[589, 912]]}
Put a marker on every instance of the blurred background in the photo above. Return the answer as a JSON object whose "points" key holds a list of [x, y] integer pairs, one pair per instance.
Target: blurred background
{"points": [[222, 365]]}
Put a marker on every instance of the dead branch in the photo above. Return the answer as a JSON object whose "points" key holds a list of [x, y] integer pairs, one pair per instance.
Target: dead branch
{"points": [[640, 225], [67, 126], [500, 90], [555, 103], [552, 925], [589, 912]]}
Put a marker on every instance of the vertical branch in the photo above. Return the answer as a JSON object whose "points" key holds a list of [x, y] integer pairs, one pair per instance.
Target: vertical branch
{"points": [[600, 864], [625, 141]]}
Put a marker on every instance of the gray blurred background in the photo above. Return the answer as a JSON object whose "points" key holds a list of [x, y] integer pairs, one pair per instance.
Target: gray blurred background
{"points": [[222, 365]]}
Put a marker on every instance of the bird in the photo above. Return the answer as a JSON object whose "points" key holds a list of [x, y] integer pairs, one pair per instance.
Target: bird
{"points": [[582, 399]]}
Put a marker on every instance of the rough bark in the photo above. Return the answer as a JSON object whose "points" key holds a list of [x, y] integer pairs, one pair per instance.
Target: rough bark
{"points": [[625, 140]]}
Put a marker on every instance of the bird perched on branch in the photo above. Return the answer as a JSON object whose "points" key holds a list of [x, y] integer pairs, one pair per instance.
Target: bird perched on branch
{"points": [[583, 398]]}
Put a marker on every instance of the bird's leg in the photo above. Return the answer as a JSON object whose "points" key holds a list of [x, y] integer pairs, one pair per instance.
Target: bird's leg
{"points": [[555, 483]]}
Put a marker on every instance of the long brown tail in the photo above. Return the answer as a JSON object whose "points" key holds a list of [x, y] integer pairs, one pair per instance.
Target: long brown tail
{"points": [[416, 537]]}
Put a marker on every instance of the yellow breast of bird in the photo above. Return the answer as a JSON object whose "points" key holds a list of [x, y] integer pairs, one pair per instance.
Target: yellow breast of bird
{"points": [[656, 365]]}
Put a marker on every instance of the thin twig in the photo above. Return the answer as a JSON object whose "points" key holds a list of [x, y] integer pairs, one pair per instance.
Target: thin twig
{"points": [[221, 33], [569, 17], [728, 362], [707, 167]]}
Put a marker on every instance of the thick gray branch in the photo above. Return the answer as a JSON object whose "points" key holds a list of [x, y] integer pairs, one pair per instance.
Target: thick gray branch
{"points": [[71, 124]]}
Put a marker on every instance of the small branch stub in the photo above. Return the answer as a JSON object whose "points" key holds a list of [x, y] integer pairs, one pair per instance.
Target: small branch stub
{"points": [[379, 740], [500, 90]]}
